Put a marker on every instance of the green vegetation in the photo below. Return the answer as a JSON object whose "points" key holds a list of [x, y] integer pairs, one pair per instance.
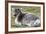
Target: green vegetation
{"points": [[34, 10]]}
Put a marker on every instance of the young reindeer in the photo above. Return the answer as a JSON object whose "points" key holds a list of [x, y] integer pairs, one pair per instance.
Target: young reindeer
{"points": [[26, 19]]}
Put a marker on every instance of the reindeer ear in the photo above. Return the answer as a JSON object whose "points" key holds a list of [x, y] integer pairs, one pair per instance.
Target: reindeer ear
{"points": [[19, 10]]}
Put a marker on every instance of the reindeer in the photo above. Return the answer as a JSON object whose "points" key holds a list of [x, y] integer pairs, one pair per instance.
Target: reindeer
{"points": [[26, 19]]}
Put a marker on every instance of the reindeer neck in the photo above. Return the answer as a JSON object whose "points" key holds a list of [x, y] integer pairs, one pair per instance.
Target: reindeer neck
{"points": [[20, 17]]}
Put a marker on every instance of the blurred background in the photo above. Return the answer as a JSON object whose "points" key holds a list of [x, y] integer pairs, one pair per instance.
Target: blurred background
{"points": [[30, 9]]}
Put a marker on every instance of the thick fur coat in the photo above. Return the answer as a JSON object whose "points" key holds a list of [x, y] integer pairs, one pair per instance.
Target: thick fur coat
{"points": [[26, 19]]}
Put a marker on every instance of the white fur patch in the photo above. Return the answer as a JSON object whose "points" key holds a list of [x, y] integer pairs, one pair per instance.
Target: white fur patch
{"points": [[37, 21], [16, 22]]}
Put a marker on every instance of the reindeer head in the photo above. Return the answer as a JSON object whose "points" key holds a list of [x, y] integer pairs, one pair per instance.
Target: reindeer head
{"points": [[17, 11]]}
